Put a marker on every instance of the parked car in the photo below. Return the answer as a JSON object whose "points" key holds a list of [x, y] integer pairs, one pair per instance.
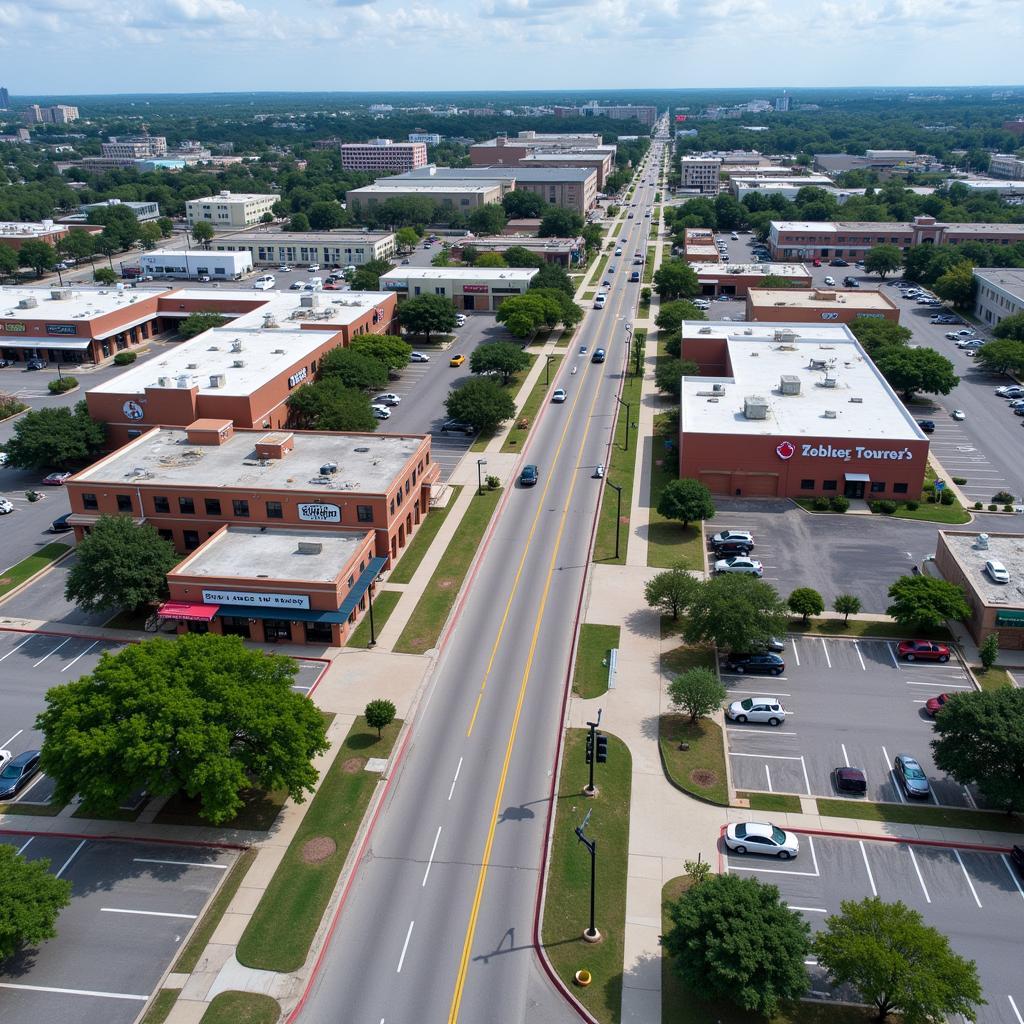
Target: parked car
{"points": [[830, 281], [388, 398], [419, 357], [529, 476], [6, 507], [313, 268], [36, 364], [911, 777], [997, 572], [16, 773], [457, 360], [761, 837], [850, 780], [457, 426], [922, 650], [460, 319], [816, 262], [740, 564], [284, 269], [837, 262], [731, 547], [1010, 391], [763, 662], [732, 535], [928, 426], [1017, 859], [61, 524], [56, 479], [558, 395], [382, 412], [933, 705], [757, 709]]}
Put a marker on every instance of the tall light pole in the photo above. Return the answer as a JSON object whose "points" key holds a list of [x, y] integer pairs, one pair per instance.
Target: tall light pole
{"points": [[591, 934], [373, 635], [618, 513], [626, 404], [480, 463], [547, 369]]}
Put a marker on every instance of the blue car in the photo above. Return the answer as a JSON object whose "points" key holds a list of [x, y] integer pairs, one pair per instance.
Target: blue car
{"points": [[529, 476]]}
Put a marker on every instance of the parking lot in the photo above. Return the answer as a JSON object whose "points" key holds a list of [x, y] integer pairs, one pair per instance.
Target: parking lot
{"points": [[972, 896], [849, 703], [132, 905]]}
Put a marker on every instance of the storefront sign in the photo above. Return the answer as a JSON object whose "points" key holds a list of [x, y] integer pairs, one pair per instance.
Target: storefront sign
{"points": [[297, 378], [62, 328], [315, 512], [870, 316], [13, 328], [255, 600], [475, 288], [829, 316], [786, 450]]}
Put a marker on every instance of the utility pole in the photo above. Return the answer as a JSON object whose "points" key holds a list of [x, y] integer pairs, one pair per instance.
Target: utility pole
{"points": [[590, 934]]}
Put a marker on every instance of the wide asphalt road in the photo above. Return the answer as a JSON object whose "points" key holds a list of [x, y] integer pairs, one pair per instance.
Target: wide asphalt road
{"points": [[438, 922]]}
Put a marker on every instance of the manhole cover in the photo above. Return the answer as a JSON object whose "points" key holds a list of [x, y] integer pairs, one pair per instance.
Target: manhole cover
{"points": [[318, 849], [703, 777]]}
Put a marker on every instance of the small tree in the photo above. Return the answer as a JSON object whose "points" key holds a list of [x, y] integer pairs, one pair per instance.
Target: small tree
{"points": [[54, 438], [427, 314], [697, 692], [203, 232], [897, 962], [672, 590], [989, 651], [379, 714], [806, 601], [104, 275], [924, 602], [31, 899], [407, 238], [846, 605], [197, 323], [501, 357], [686, 500], [698, 870]]}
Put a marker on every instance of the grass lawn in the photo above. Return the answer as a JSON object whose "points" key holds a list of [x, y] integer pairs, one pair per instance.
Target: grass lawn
{"points": [[539, 393], [32, 810], [421, 541], [679, 659], [15, 575], [121, 814], [596, 277], [701, 769], [259, 810], [649, 264], [590, 676], [994, 678], [588, 296], [926, 814], [431, 612], [669, 543], [242, 1008], [278, 935], [383, 605], [864, 627], [620, 472], [161, 1006], [950, 514], [189, 956], [566, 908], [515, 382], [772, 802]]}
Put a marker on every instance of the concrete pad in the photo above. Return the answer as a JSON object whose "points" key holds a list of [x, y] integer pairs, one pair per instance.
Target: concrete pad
{"points": [[356, 677], [640, 1005], [245, 900], [234, 977], [175, 980], [229, 930], [644, 867], [187, 1011]]}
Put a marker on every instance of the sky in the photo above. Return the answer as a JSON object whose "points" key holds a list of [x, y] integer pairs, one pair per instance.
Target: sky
{"points": [[128, 46]]}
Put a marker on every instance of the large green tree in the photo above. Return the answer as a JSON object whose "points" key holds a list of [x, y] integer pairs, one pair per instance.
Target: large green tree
{"points": [[354, 369], [805, 601], [367, 277], [503, 358], [669, 373], [980, 741], [733, 938], [520, 256], [910, 370], [957, 285], [672, 314], [878, 336], [427, 314], [883, 259], [31, 898], [391, 350], [483, 403], [896, 962], [119, 564], [39, 255], [201, 713], [197, 323], [326, 215], [520, 203], [686, 501], [8, 261], [1001, 356], [736, 612], [1010, 327], [924, 602], [488, 219], [202, 232], [407, 238], [672, 590], [560, 223], [676, 280], [54, 438], [329, 405]]}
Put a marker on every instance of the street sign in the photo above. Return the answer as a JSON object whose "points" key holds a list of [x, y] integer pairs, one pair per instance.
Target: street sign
{"points": [[940, 486]]}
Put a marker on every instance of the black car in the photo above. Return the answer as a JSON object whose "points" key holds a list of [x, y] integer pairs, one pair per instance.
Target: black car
{"points": [[61, 524], [731, 547], [850, 780], [36, 364], [927, 426], [851, 282], [764, 661], [1017, 857], [460, 426], [6, 362], [838, 263], [17, 772]]}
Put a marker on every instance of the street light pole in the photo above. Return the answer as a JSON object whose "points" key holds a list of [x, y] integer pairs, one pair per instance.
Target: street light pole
{"points": [[547, 370], [373, 635], [480, 463], [591, 934], [618, 514], [626, 404]]}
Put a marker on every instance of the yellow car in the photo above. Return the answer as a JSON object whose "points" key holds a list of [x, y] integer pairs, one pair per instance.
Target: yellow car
{"points": [[457, 360]]}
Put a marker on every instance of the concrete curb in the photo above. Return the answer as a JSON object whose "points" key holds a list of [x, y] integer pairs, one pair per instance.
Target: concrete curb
{"points": [[36, 575]]}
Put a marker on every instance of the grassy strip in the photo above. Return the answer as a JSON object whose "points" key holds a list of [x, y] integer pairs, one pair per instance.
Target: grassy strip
{"points": [[994, 678], [590, 676], [588, 296], [865, 628], [32, 810], [668, 542], [242, 1008], [383, 605], [424, 537], [781, 802], [279, 934], [188, 959], [922, 814], [566, 907], [601, 264], [700, 770], [259, 810], [512, 386], [160, 1007], [649, 265], [679, 659], [431, 612], [28, 567], [654, 230], [517, 435], [619, 471]]}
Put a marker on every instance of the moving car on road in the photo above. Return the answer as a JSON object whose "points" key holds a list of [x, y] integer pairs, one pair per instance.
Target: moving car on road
{"points": [[911, 777], [6, 508], [529, 476], [761, 837], [457, 360], [922, 650], [558, 395]]}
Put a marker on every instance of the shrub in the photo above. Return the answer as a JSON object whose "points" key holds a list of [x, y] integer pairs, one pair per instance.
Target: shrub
{"points": [[1002, 497], [820, 504], [10, 406], [125, 358], [839, 503], [912, 506], [887, 507], [493, 482], [948, 498], [931, 497], [62, 384], [929, 485], [960, 480], [992, 508], [1007, 508], [875, 506], [977, 505]]}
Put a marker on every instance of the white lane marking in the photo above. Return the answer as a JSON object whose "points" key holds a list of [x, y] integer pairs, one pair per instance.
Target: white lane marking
{"points": [[860, 657], [405, 946], [758, 693], [754, 731], [1016, 1012], [1006, 864], [456, 779], [807, 781], [30, 838], [867, 867], [892, 654], [31, 636], [913, 860], [809, 910], [970, 884], [82, 655], [770, 871], [796, 653], [430, 860], [146, 913], [935, 685], [73, 991], [846, 757], [180, 863], [7, 743], [768, 775], [769, 757], [970, 799], [814, 856], [824, 647], [71, 858], [892, 776], [54, 651]]}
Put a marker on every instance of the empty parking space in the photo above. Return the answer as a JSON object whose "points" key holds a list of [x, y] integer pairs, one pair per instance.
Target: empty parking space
{"points": [[962, 455], [849, 703], [972, 896], [132, 905]]}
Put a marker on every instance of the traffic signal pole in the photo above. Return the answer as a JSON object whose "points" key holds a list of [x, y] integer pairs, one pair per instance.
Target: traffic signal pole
{"points": [[592, 743]]}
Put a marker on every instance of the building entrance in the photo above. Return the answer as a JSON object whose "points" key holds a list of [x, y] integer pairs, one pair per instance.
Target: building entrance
{"points": [[854, 488]]}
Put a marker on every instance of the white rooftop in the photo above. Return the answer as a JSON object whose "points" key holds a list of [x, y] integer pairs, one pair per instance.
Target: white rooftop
{"points": [[487, 274], [775, 269], [760, 354], [1007, 548], [72, 303], [430, 185], [28, 229], [237, 197]]}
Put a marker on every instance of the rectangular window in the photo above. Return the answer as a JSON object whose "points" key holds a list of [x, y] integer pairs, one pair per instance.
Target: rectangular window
{"points": [[186, 506], [828, 485], [167, 535], [877, 486], [213, 506], [406, 486], [241, 508], [161, 504], [899, 488], [364, 513], [392, 505], [806, 485], [274, 510], [191, 539], [124, 503], [89, 502]]}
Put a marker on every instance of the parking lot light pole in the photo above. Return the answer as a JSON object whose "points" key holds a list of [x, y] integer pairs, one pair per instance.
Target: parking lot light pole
{"points": [[480, 463], [547, 369], [618, 513], [591, 934], [626, 404]]}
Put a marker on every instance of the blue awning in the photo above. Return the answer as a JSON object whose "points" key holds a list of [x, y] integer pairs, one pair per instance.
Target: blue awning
{"points": [[366, 577]]}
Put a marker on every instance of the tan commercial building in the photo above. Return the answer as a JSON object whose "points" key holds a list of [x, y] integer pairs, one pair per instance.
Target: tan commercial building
{"points": [[230, 209], [383, 155], [479, 288], [328, 248], [60, 113], [462, 195], [819, 305], [539, 151]]}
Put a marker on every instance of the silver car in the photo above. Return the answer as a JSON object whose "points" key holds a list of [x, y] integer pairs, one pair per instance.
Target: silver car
{"points": [[740, 564], [761, 837], [766, 710]]}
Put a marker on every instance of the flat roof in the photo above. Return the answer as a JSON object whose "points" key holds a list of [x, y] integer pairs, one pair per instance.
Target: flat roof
{"points": [[74, 303], [764, 269], [488, 274], [526, 241], [760, 354], [417, 185], [28, 229], [432, 173], [1007, 548], [237, 197], [973, 229], [300, 237], [1010, 280], [367, 463], [239, 551], [782, 181], [799, 298]]}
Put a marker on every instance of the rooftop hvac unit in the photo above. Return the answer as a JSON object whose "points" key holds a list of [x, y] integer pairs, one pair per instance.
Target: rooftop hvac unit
{"points": [[191, 366], [982, 542], [310, 301], [278, 352], [328, 468], [217, 380], [163, 382], [718, 389], [818, 364], [830, 381], [784, 334], [238, 364], [789, 384], [270, 321], [29, 302], [704, 330], [857, 401], [830, 414], [184, 381], [309, 547], [755, 407], [236, 345], [60, 293]]}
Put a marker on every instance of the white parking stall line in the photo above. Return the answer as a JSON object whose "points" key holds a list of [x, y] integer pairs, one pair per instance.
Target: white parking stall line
{"points": [[970, 799], [796, 653], [31, 636], [758, 693], [32, 785], [951, 686], [920, 878], [892, 776], [860, 657], [867, 867], [82, 655], [1006, 864], [892, 653], [809, 910], [846, 757], [824, 648], [146, 913], [1016, 1012], [54, 651], [74, 854], [7, 743], [814, 856], [769, 871], [755, 731], [807, 781], [766, 757], [970, 884], [180, 863], [24, 847], [768, 776], [73, 991]]}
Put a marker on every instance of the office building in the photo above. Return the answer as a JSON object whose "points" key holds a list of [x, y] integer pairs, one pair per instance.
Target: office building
{"points": [[461, 195], [700, 174], [781, 104], [1006, 165], [328, 248], [643, 113], [383, 155], [999, 293], [528, 149], [736, 279], [195, 264], [135, 147], [58, 114], [231, 209], [427, 138], [15, 234], [819, 305], [144, 211], [5, 98], [478, 288], [787, 186]]}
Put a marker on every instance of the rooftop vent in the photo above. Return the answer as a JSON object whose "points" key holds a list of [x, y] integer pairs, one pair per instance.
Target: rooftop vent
{"points": [[269, 321], [830, 414], [217, 380], [857, 401], [361, 450], [60, 293], [830, 381], [755, 407], [982, 542], [309, 547], [789, 384], [238, 364], [184, 381], [704, 330], [236, 345], [29, 302], [785, 334], [192, 366], [163, 382], [718, 389], [328, 468]]}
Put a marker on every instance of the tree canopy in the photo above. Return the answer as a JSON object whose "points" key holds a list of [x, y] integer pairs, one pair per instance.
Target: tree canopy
{"points": [[197, 323], [672, 590], [736, 612], [484, 403], [910, 370], [676, 279], [558, 222], [697, 692], [31, 899], [367, 277], [329, 405], [504, 358], [878, 336], [427, 314], [354, 368], [883, 259], [924, 602], [1010, 327], [805, 601], [524, 315], [487, 219], [54, 438], [389, 349], [1004, 355], [520, 203], [687, 501]]}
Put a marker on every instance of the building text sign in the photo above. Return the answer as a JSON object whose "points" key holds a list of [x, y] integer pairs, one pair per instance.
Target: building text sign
{"points": [[315, 512], [298, 377], [62, 328], [475, 288], [255, 600], [786, 450], [14, 328]]}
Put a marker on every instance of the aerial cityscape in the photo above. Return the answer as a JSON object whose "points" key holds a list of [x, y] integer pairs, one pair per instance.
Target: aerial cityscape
{"points": [[480, 546]]}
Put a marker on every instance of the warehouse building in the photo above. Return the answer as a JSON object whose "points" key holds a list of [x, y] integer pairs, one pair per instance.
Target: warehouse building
{"points": [[795, 410], [819, 305], [328, 248], [195, 264], [469, 288]]}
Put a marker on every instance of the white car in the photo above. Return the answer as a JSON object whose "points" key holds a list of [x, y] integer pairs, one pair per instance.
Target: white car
{"points": [[618, 251], [388, 398], [264, 283], [746, 566], [382, 412], [1010, 391], [313, 268], [558, 395], [419, 357], [958, 414], [761, 837], [997, 571], [460, 320], [756, 709], [6, 508], [830, 281], [284, 269]]}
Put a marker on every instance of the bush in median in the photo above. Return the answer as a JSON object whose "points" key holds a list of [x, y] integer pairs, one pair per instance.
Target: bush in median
{"points": [[124, 358], [61, 385]]}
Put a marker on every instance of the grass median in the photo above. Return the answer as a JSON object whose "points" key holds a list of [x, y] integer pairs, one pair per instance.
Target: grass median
{"points": [[281, 930], [590, 675], [926, 814], [242, 1008], [524, 417], [777, 802], [421, 541], [567, 903], [435, 604], [24, 570], [669, 542], [881, 629], [161, 1005], [384, 602], [649, 265]]}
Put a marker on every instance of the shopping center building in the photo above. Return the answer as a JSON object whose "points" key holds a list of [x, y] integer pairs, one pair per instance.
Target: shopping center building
{"points": [[793, 410], [479, 288], [819, 305], [736, 279]]}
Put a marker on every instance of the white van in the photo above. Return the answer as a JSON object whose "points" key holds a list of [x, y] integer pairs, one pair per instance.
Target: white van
{"points": [[264, 283], [599, 300]]}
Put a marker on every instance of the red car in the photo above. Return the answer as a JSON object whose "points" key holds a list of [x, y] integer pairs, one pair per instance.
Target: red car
{"points": [[817, 262], [922, 650], [56, 479], [935, 704]]}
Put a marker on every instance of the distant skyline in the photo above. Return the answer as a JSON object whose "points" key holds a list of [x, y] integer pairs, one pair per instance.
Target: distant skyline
{"points": [[123, 46]]}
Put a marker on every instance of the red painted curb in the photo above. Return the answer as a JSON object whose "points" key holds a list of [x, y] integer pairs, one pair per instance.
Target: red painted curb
{"points": [[212, 844]]}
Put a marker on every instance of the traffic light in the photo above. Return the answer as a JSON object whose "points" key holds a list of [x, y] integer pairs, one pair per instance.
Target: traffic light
{"points": [[602, 749], [590, 747]]}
